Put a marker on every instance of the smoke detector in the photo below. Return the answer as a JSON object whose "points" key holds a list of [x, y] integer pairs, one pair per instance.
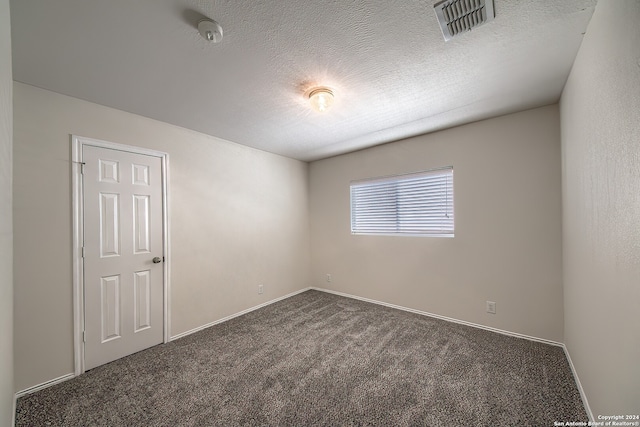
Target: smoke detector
{"points": [[458, 16], [210, 30]]}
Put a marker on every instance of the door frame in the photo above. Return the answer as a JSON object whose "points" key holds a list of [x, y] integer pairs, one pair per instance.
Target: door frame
{"points": [[77, 143]]}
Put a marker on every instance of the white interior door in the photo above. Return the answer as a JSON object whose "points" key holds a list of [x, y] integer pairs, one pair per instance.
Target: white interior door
{"points": [[123, 253]]}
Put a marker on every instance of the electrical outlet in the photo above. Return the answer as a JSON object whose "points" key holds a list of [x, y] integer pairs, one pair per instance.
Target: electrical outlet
{"points": [[328, 278], [260, 289], [491, 307]]}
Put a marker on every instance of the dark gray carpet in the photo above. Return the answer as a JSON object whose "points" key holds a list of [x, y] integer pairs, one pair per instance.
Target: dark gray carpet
{"points": [[318, 359]]}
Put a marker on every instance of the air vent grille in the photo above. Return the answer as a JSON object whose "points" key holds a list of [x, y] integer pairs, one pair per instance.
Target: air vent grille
{"points": [[457, 16]]}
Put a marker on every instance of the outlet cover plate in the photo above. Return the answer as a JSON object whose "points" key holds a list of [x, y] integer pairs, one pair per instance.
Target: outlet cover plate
{"points": [[491, 307]]}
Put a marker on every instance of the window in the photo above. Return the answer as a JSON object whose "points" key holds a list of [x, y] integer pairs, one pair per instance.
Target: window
{"points": [[414, 204]]}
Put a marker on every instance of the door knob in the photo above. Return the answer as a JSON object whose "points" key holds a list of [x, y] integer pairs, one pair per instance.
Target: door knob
{"points": [[157, 259]]}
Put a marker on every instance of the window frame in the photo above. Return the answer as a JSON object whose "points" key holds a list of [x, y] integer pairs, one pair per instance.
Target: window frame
{"points": [[446, 171]]}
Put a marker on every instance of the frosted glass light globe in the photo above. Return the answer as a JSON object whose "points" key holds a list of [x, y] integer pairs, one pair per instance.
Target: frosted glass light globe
{"points": [[321, 99]]}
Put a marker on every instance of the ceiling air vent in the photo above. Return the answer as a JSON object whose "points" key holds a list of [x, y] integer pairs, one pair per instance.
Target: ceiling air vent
{"points": [[458, 16]]}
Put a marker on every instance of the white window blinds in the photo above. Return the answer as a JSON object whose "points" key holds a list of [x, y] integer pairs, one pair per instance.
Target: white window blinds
{"points": [[414, 204]]}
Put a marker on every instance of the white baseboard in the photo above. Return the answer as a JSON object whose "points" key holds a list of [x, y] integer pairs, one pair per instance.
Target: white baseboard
{"points": [[66, 377], [13, 414], [583, 396], [448, 319], [224, 319], [46, 384], [411, 310]]}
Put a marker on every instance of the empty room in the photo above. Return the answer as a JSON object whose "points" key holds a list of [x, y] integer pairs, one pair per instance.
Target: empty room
{"points": [[269, 213]]}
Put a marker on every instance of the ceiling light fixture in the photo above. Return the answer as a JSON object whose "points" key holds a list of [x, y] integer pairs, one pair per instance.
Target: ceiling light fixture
{"points": [[210, 30], [321, 98]]}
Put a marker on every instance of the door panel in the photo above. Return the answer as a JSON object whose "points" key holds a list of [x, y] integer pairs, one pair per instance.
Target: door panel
{"points": [[109, 225], [142, 300], [141, 220], [110, 307], [123, 288]]}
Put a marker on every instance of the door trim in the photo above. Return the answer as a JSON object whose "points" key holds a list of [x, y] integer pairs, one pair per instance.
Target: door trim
{"points": [[77, 143]]}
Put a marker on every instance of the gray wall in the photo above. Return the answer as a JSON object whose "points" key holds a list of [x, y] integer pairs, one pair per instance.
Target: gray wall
{"points": [[507, 246], [6, 227], [600, 116], [238, 218]]}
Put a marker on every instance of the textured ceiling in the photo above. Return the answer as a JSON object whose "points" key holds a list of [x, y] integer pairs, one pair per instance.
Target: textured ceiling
{"points": [[391, 71]]}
